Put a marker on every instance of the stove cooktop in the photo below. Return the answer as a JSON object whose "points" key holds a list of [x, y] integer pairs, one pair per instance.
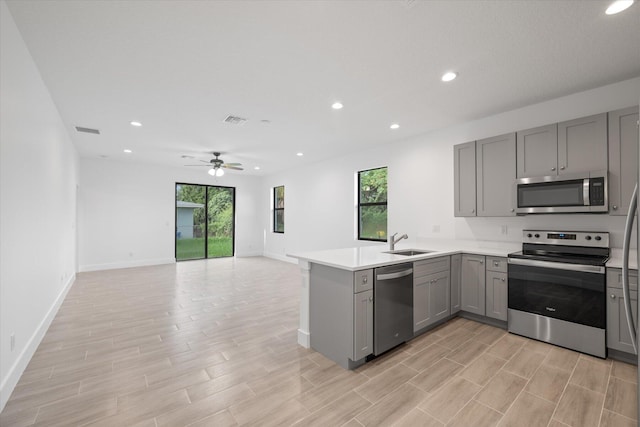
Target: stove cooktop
{"points": [[599, 260]]}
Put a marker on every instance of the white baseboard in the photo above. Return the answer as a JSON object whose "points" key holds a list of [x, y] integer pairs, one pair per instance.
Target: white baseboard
{"points": [[15, 372], [304, 338], [280, 257], [248, 254], [126, 264]]}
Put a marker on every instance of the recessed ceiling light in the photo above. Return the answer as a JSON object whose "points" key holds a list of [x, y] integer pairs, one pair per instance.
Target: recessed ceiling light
{"points": [[618, 6], [299, 154], [337, 105], [394, 126], [136, 124], [126, 150], [448, 76], [257, 168]]}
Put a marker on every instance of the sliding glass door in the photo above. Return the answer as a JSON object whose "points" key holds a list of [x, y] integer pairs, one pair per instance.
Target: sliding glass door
{"points": [[205, 218]]}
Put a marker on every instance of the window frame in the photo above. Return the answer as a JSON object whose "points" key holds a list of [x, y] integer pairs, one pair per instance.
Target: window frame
{"points": [[359, 205], [276, 209]]}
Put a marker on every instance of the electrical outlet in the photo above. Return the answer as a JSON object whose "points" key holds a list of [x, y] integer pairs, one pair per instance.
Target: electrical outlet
{"points": [[13, 341], [503, 229]]}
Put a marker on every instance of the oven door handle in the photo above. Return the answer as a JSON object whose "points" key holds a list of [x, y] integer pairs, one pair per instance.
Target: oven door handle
{"points": [[558, 265], [633, 205]]}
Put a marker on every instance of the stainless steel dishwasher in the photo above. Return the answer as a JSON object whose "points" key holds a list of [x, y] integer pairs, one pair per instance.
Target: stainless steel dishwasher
{"points": [[393, 306]]}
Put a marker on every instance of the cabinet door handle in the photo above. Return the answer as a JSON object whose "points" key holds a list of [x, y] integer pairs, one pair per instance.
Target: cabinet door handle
{"points": [[365, 279], [561, 168], [481, 262], [613, 296], [503, 279], [473, 210], [553, 169], [512, 209], [370, 298], [615, 208], [495, 263]]}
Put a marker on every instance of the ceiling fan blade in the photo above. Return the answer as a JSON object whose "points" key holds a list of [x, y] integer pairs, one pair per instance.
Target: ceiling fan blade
{"points": [[198, 165], [233, 164], [204, 161], [235, 168]]}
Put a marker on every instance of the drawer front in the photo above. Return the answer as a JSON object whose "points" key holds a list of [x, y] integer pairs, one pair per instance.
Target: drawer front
{"points": [[497, 264], [430, 266], [362, 281], [614, 278]]}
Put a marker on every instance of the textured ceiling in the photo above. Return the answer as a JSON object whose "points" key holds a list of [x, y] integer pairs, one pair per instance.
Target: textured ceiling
{"points": [[180, 67]]}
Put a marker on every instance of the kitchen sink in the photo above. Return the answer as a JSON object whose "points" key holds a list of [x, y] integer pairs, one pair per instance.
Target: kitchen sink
{"points": [[409, 252]]}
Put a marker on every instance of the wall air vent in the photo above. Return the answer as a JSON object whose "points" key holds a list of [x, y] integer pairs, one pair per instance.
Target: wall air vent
{"points": [[87, 130], [234, 120]]}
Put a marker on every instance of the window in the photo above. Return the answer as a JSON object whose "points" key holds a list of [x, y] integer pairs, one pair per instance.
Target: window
{"points": [[278, 209], [372, 204]]}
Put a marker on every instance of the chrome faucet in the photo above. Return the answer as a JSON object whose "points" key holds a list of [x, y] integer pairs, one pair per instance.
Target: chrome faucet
{"points": [[393, 240]]}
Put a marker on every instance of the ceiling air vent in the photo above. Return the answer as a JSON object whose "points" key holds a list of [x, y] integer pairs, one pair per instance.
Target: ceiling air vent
{"points": [[234, 120], [87, 130]]}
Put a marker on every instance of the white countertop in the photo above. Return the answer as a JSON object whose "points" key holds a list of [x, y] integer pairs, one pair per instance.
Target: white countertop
{"points": [[353, 259], [615, 259]]}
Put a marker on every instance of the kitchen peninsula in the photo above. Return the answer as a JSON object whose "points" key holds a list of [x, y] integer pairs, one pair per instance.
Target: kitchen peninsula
{"points": [[336, 298]]}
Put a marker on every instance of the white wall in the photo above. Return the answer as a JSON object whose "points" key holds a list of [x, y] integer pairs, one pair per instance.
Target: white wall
{"points": [[127, 212], [38, 176], [319, 211]]}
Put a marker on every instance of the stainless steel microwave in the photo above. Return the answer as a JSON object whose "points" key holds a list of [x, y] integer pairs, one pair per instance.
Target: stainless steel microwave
{"points": [[571, 193]]}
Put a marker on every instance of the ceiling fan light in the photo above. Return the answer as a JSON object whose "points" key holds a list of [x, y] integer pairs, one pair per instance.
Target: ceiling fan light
{"points": [[219, 172], [212, 172], [449, 76], [618, 6]]}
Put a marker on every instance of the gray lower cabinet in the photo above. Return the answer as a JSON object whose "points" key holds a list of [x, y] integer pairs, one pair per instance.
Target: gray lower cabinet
{"points": [[623, 158], [497, 290], [618, 337], [362, 324], [341, 314], [496, 173], [455, 279], [431, 292], [464, 179], [473, 284]]}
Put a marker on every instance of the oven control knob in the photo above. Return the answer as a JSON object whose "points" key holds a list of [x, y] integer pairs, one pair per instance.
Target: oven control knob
{"points": [[536, 235], [529, 235], [598, 238], [588, 237]]}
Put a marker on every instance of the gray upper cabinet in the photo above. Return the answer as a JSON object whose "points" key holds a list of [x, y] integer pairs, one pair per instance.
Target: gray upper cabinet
{"points": [[496, 173], [473, 284], [582, 144], [623, 158], [537, 151], [464, 179], [573, 146]]}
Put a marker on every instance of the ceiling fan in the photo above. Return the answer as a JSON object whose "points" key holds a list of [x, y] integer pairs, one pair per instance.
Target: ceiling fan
{"points": [[218, 165]]}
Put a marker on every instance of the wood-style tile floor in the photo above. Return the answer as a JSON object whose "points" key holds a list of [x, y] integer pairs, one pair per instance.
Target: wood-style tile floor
{"points": [[213, 343]]}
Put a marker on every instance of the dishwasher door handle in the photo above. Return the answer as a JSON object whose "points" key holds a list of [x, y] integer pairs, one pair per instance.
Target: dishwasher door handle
{"points": [[389, 276]]}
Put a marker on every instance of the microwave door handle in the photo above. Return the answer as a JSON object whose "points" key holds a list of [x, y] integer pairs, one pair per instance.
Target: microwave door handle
{"points": [[585, 192], [633, 205]]}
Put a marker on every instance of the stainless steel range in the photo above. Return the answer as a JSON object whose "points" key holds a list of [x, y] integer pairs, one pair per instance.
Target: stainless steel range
{"points": [[557, 289]]}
